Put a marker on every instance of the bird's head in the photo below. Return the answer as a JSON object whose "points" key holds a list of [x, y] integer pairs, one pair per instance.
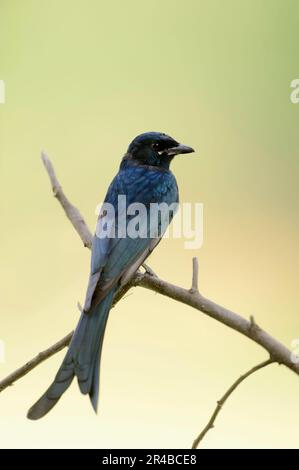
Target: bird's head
{"points": [[155, 149]]}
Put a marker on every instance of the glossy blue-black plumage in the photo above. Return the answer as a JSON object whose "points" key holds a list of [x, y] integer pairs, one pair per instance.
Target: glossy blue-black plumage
{"points": [[144, 177], [141, 184]]}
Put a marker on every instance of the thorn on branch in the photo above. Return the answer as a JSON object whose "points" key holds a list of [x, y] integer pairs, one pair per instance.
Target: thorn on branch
{"points": [[253, 328]]}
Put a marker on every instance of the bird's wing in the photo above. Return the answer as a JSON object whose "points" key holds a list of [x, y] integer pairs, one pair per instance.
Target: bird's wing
{"points": [[101, 247], [116, 259]]}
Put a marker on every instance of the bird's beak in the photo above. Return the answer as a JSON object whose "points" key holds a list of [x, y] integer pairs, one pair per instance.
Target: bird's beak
{"points": [[179, 149]]}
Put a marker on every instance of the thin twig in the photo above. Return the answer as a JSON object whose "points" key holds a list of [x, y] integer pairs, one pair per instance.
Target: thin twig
{"points": [[224, 398], [38, 359], [71, 211], [194, 285]]}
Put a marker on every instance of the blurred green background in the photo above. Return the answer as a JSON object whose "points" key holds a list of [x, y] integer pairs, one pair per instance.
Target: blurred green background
{"points": [[82, 79]]}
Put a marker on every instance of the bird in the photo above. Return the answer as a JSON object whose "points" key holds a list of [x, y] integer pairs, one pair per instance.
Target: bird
{"points": [[144, 177]]}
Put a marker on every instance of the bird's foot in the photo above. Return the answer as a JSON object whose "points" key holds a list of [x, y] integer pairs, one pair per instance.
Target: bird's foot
{"points": [[149, 270]]}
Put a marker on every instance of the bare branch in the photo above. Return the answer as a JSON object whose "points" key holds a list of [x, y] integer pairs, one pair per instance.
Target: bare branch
{"points": [[277, 351], [71, 211], [223, 399]]}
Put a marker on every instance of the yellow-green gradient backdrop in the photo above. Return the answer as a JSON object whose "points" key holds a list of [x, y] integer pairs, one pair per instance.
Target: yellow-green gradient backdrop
{"points": [[82, 79]]}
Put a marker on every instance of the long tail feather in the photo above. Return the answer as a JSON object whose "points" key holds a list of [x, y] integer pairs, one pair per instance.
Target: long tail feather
{"points": [[82, 360]]}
